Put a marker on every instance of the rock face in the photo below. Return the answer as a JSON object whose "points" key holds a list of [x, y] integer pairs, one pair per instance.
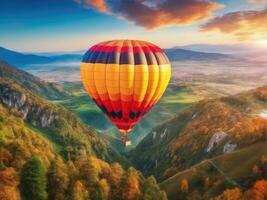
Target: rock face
{"points": [[66, 127], [216, 139], [229, 147], [163, 134], [194, 116], [30, 112], [154, 135], [263, 114]]}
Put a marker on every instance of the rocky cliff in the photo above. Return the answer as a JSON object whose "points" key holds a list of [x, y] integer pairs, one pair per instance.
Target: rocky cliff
{"points": [[220, 126], [62, 126]]}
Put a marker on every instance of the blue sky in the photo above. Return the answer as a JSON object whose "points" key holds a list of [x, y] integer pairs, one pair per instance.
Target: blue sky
{"points": [[66, 25]]}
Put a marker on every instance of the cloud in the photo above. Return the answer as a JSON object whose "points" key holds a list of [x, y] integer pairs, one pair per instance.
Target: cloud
{"points": [[158, 13], [258, 1], [99, 5], [242, 24]]}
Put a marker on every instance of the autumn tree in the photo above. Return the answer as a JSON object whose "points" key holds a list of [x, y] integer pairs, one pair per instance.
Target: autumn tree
{"points": [[130, 185], [97, 193], [184, 186], [115, 180], [230, 194], [258, 191], [104, 186], [261, 186], [263, 159], [57, 180], [255, 169], [152, 191], [72, 170], [89, 169], [79, 191], [8, 184], [207, 183], [195, 195], [33, 180], [5, 157]]}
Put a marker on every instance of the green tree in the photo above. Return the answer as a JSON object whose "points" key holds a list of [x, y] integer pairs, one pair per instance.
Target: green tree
{"points": [[151, 190], [57, 180], [89, 169], [33, 180], [97, 193], [231, 194]]}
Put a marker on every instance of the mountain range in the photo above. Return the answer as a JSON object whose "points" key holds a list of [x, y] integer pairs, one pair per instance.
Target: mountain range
{"points": [[21, 59], [224, 49]]}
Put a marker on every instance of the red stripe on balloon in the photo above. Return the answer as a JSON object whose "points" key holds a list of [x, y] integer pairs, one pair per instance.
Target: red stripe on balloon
{"points": [[119, 49]]}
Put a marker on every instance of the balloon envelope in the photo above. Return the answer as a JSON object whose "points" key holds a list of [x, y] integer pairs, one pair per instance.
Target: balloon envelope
{"points": [[125, 78]]}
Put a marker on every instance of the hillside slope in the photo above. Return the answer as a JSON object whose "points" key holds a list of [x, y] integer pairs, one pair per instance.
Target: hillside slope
{"points": [[204, 130], [177, 54], [44, 89], [212, 176], [80, 177], [60, 125]]}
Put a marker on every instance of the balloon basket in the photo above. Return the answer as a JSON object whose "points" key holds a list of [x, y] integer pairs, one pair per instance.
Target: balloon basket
{"points": [[125, 141]]}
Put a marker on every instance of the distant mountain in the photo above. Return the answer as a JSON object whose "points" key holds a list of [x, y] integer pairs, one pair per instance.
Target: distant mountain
{"points": [[176, 54], [206, 129], [16, 58], [236, 49], [42, 88], [22, 59]]}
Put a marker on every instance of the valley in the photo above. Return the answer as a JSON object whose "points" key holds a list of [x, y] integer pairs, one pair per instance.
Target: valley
{"points": [[44, 142], [206, 124], [133, 100], [191, 81]]}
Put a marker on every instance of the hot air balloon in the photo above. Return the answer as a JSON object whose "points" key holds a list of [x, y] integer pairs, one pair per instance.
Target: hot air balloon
{"points": [[125, 78]]}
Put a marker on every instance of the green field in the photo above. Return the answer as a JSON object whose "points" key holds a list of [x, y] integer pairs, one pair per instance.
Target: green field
{"points": [[174, 99]]}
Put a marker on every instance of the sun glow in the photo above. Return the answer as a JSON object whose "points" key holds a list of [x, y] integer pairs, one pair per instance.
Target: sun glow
{"points": [[262, 42]]}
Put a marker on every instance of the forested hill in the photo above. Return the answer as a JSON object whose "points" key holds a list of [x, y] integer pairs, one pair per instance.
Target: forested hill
{"points": [[204, 130], [61, 125], [32, 167], [46, 152]]}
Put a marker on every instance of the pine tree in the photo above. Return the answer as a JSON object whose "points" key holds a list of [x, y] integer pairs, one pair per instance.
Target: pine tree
{"points": [[33, 180]]}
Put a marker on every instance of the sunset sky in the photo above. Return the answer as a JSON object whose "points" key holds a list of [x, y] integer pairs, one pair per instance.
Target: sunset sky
{"points": [[68, 25]]}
